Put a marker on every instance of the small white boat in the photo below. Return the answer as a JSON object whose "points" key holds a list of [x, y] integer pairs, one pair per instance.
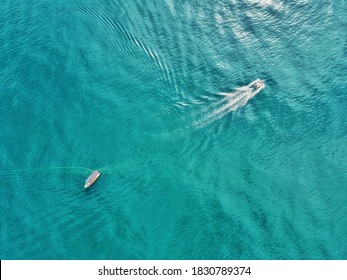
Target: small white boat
{"points": [[256, 86], [92, 178]]}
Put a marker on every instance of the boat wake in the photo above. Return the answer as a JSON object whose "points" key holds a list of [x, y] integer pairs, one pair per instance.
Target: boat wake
{"points": [[61, 169], [230, 101]]}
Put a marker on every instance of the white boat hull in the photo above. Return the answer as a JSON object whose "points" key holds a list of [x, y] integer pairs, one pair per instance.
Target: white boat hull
{"points": [[92, 178]]}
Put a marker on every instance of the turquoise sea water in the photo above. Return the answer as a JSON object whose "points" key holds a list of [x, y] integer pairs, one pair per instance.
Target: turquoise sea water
{"points": [[131, 88]]}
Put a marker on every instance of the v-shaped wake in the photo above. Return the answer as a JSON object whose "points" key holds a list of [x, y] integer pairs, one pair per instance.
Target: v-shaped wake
{"points": [[230, 101]]}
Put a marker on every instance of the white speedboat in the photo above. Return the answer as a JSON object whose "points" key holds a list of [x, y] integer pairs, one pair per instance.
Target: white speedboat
{"points": [[256, 86], [92, 178]]}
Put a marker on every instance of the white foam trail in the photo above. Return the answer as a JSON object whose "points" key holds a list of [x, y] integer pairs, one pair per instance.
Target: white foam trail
{"points": [[231, 101], [63, 169]]}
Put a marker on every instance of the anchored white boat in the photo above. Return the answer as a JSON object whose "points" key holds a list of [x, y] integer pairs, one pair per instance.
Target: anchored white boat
{"points": [[92, 178]]}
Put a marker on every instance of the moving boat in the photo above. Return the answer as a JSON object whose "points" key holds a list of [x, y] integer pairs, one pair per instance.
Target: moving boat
{"points": [[256, 86], [92, 178]]}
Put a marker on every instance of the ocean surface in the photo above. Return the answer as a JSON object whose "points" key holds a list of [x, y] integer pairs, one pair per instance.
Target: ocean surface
{"points": [[144, 91]]}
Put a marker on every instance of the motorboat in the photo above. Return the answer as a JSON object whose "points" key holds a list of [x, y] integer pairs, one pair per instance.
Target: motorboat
{"points": [[92, 178], [256, 86]]}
